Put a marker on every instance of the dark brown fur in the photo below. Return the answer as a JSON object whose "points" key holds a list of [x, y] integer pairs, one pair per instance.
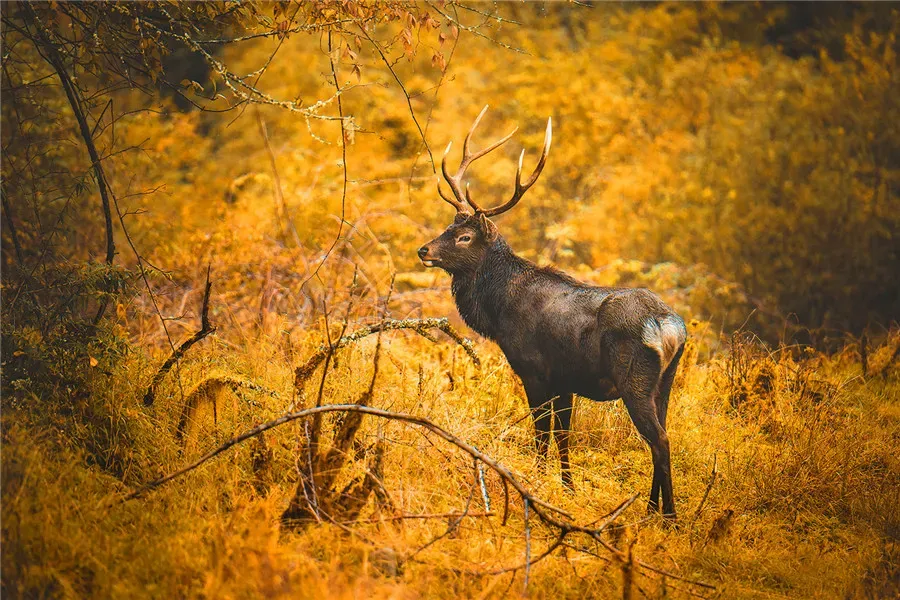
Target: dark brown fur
{"points": [[563, 337]]}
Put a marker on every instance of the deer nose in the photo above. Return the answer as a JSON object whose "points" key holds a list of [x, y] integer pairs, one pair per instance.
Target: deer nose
{"points": [[423, 251]]}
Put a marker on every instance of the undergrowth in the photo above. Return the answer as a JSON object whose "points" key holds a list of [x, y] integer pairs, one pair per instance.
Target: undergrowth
{"points": [[802, 502]]}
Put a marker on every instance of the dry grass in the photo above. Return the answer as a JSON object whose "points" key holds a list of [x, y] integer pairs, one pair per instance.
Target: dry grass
{"points": [[803, 504]]}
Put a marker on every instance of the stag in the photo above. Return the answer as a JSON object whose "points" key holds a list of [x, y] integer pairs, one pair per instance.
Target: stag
{"points": [[561, 336]]}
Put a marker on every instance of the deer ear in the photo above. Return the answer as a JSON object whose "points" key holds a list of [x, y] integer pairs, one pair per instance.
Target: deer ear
{"points": [[487, 227]]}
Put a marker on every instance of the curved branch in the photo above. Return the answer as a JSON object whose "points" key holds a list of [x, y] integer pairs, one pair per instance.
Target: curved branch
{"points": [[420, 326], [74, 96], [205, 330], [541, 508]]}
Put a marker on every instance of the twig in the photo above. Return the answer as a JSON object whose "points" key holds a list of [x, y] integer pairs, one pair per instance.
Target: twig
{"points": [[344, 172], [281, 209], [528, 548], [712, 480], [317, 420], [484, 493], [412, 112], [205, 330], [474, 30], [505, 503], [73, 93], [423, 516], [74, 96], [617, 511]]}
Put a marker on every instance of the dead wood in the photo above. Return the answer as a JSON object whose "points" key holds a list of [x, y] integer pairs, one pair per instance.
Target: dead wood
{"points": [[420, 326], [545, 512], [205, 330]]}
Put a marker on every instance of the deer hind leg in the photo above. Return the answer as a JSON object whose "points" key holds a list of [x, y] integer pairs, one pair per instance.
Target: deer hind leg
{"points": [[562, 411], [662, 408], [665, 387], [640, 388]]}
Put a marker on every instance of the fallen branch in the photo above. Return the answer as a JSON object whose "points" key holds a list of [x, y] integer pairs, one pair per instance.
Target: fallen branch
{"points": [[424, 516], [205, 330], [541, 509], [420, 326], [324, 467]]}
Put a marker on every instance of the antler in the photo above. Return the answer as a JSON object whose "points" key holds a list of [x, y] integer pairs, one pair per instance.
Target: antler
{"points": [[455, 181], [521, 188]]}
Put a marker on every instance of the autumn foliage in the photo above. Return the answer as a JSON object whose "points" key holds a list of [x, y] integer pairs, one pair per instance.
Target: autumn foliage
{"points": [[741, 160]]}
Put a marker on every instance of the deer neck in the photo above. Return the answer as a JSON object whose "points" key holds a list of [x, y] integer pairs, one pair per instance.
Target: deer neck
{"points": [[482, 293]]}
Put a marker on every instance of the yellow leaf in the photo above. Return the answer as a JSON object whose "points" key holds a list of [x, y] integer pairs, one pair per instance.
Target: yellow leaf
{"points": [[93, 361]]}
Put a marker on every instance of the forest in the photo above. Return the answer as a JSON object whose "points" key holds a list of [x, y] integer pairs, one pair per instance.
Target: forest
{"points": [[226, 373]]}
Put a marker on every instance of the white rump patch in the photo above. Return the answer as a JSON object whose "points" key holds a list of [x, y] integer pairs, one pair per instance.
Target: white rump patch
{"points": [[666, 336]]}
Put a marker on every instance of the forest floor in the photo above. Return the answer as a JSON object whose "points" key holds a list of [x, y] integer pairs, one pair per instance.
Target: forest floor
{"points": [[802, 503]]}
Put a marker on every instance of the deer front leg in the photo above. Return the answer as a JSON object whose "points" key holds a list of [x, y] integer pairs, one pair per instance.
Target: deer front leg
{"points": [[562, 411], [541, 404]]}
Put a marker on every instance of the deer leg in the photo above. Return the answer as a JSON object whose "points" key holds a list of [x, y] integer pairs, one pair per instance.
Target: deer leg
{"points": [[662, 408], [562, 411], [643, 415], [665, 387], [541, 404], [639, 377], [543, 419], [653, 503]]}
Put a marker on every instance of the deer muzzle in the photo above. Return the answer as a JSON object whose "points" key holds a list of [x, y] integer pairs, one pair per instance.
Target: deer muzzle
{"points": [[428, 261]]}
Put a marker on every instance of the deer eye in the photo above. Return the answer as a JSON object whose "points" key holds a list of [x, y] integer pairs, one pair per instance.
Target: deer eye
{"points": [[465, 238]]}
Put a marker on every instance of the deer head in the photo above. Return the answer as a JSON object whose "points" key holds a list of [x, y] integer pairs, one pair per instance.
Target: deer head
{"points": [[463, 244]]}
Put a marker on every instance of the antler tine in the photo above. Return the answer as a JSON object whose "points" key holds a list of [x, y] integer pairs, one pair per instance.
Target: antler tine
{"points": [[470, 201], [470, 158], [520, 187], [455, 181], [472, 129], [460, 207], [458, 204]]}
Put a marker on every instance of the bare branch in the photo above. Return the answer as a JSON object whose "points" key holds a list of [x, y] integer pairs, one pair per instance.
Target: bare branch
{"points": [[73, 94], [412, 112], [712, 480], [420, 326], [538, 506], [424, 516], [205, 330]]}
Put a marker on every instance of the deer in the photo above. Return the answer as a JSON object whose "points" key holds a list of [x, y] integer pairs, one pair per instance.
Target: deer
{"points": [[561, 337]]}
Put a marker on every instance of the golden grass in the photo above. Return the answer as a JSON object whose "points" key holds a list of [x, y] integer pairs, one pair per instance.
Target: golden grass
{"points": [[803, 505]]}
